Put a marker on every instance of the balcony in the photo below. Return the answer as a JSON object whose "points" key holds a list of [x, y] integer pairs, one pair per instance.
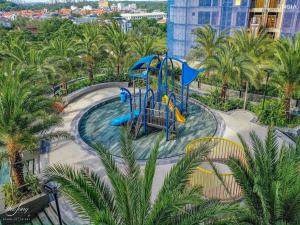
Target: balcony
{"points": [[271, 4], [271, 22]]}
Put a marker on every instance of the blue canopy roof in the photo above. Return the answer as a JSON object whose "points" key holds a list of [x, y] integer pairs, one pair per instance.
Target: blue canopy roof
{"points": [[139, 64], [190, 74]]}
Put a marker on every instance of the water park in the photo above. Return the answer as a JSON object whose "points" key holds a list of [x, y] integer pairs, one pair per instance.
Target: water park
{"points": [[153, 104]]}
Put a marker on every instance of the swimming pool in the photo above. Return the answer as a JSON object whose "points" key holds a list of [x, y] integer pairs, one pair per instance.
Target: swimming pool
{"points": [[94, 127], [4, 177]]}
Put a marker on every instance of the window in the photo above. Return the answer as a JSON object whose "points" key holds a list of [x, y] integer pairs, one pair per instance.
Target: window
{"points": [[240, 19], [287, 20], [204, 2], [244, 3], [290, 2], [215, 18], [237, 2], [215, 2], [179, 32], [203, 18], [298, 22]]}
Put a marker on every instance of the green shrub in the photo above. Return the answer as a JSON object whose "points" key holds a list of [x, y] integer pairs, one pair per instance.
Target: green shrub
{"points": [[213, 101], [33, 184], [13, 196], [272, 114]]}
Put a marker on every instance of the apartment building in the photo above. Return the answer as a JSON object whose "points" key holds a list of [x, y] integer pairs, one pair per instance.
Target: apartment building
{"points": [[278, 17]]}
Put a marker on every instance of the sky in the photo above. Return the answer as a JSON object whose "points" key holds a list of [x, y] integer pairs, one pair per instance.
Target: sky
{"points": [[34, 1]]}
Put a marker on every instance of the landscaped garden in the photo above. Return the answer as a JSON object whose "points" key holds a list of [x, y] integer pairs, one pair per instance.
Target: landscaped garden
{"points": [[40, 69], [255, 64]]}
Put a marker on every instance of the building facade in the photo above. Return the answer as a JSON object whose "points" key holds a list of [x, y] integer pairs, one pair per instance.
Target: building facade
{"points": [[278, 17]]}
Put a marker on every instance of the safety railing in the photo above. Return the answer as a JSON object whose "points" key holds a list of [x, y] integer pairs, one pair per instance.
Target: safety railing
{"points": [[220, 185]]}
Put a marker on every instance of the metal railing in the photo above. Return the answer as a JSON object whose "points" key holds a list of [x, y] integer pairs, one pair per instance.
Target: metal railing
{"points": [[221, 185]]}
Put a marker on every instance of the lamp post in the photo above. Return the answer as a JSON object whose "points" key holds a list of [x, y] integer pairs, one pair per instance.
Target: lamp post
{"points": [[52, 189]]}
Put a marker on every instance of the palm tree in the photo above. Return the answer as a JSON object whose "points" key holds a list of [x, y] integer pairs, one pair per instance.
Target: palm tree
{"points": [[25, 116], [258, 47], [229, 65], [117, 45], [127, 200], [270, 180], [90, 47], [15, 49], [287, 67], [143, 46], [64, 57], [207, 43]]}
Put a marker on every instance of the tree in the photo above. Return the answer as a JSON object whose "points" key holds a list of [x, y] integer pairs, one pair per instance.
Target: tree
{"points": [[65, 59], [90, 47], [128, 202], [229, 65], [258, 47], [26, 115], [287, 68], [270, 181], [116, 42], [207, 43], [143, 46]]}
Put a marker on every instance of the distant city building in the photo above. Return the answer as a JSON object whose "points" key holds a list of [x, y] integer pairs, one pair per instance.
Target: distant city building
{"points": [[120, 6], [136, 16], [125, 24], [103, 4], [114, 7], [87, 7], [278, 17]]}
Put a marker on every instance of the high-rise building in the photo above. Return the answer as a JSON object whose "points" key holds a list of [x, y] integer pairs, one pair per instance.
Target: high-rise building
{"points": [[103, 4], [278, 17]]}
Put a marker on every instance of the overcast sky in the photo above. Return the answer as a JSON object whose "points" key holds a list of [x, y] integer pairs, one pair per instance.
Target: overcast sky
{"points": [[31, 1]]}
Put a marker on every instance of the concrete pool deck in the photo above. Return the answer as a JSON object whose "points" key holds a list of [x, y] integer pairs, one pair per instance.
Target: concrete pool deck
{"points": [[72, 153]]}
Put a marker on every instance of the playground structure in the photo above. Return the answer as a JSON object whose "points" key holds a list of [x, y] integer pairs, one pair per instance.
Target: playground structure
{"points": [[161, 108], [226, 188]]}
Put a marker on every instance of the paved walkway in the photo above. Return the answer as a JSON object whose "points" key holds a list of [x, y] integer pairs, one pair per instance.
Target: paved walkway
{"points": [[69, 152]]}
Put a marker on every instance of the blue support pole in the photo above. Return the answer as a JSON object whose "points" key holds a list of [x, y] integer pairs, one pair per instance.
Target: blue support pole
{"points": [[187, 99], [182, 89], [170, 97], [166, 73], [140, 100], [173, 75], [159, 88], [130, 100], [145, 107]]}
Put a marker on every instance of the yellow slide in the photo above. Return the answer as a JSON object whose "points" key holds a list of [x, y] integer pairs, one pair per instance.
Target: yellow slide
{"points": [[180, 118]]}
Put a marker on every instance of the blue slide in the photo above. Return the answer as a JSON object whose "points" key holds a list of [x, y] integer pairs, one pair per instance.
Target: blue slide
{"points": [[124, 118]]}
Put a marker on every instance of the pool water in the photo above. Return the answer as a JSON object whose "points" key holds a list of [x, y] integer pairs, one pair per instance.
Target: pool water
{"points": [[4, 174], [94, 127]]}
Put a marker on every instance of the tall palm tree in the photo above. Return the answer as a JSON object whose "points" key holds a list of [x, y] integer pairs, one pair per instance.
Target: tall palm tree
{"points": [[207, 43], [144, 45], [25, 116], [229, 65], [287, 67], [117, 45], [90, 47], [65, 59], [270, 180], [258, 47], [127, 200], [15, 49]]}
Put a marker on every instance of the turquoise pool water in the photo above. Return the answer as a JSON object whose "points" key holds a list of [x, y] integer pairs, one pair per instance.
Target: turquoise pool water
{"points": [[4, 177], [94, 127]]}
